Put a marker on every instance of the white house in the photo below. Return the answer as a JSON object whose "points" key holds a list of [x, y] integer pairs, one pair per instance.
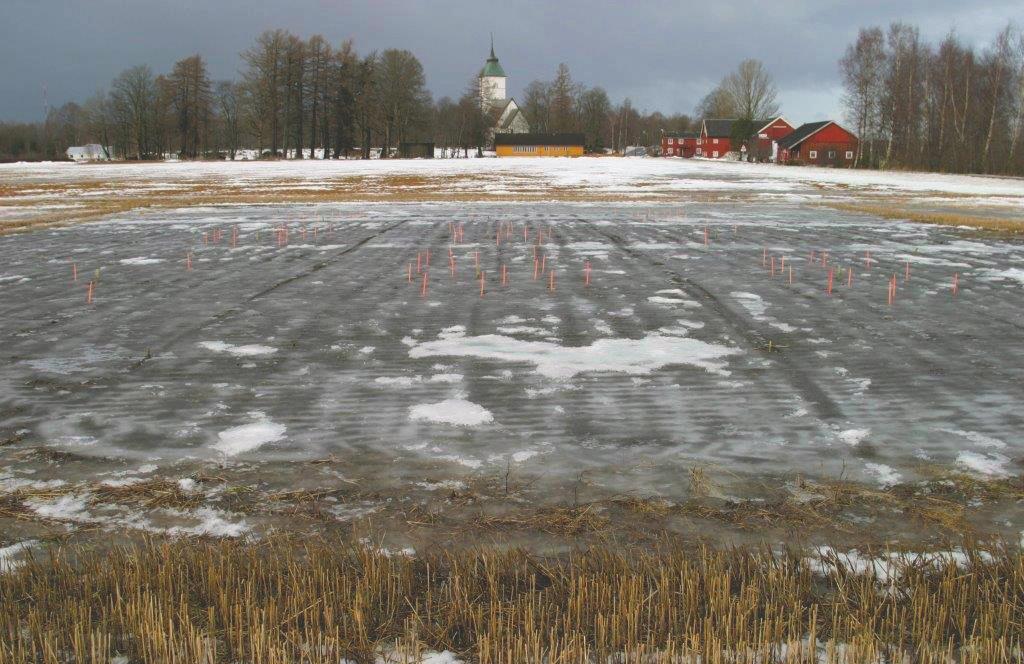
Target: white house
{"points": [[91, 152]]}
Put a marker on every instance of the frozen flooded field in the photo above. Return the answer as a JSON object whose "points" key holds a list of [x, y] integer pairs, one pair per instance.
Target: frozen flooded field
{"points": [[356, 356]]}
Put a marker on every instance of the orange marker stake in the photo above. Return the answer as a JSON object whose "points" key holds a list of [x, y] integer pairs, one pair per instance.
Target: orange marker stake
{"points": [[828, 290], [705, 236], [482, 277], [867, 259], [419, 262], [906, 273], [849, 277], [451, 265], [409, 273], [88, 293], [790, 275], [773, 267], [423, 286], [536, 266], [551, 281], [74, 272], [543, 263], [764, 257], [956, 283], [188, 261]]}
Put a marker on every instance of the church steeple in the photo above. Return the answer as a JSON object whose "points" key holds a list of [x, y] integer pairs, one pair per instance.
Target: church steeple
{"points": [[492, 68]]}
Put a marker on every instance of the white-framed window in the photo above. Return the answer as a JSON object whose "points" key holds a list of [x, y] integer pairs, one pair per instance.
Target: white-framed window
{"points": [[715, 141], [849, 154], [671, 141], [699, 141], [699, 152], [813, 154], [715, 154], [831, 154]]}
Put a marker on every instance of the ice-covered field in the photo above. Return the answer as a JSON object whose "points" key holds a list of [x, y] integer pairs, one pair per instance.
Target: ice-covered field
{"points": [[328, 359]]}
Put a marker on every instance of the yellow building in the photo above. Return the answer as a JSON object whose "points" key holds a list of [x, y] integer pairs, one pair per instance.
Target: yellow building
{"points": [[539, 145]]}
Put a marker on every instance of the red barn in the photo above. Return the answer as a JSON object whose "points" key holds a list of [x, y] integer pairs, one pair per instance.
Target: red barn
{"points": [[715, 138], [682, 144], [822, 143], [762, 144]]}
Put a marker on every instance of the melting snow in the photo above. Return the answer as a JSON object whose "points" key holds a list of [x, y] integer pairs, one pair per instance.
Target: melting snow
{"points": [[985, 464], [452, 411], [885, 475], [240, 351], [248, 437], [630, 356], [853, 436]]}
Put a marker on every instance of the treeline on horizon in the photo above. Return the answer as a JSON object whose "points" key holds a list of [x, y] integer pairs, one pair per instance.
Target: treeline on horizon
{"points": [[295, 95], [943, 107], [936, 107]]}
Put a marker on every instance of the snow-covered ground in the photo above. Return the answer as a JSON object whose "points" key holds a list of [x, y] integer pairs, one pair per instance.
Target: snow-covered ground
{"points": [[591, 174]]}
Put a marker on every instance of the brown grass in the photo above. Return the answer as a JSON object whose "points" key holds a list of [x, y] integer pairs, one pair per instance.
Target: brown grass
{"points": [[137, 195], [932, 217], [314, 601]]}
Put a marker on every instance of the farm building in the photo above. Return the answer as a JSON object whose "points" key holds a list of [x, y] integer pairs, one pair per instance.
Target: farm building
{"points": [[763, 144], [716, 136], [822, 143], [416, 150], [680, 144], [538, 145], [91, 152]]}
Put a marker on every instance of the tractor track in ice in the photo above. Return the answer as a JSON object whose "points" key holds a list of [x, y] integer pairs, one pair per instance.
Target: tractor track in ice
{"points": [[808, 388]]}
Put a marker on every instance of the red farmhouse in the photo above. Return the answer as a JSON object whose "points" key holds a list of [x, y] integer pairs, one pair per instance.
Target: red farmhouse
{"points": [[819, 144], [715, 138], [682, 144]]}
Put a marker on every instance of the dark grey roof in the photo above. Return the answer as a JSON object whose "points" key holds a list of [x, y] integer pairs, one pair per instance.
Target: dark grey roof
{"points": [[538, 139], [722, 127], [681, 134], [799, 134]]}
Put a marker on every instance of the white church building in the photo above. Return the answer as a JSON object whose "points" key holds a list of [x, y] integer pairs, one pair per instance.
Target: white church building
{"points": [[505, 115]]}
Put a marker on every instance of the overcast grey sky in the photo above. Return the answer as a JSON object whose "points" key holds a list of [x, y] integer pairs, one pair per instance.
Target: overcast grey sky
{"points": [[664, 55]]}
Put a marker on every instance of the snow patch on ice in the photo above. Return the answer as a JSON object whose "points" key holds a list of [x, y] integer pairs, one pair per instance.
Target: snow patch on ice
{"points": [[992, 464], [238, 351], [458, 412], [630, 356], [248, 437], [853, 437], [1011, 274]]}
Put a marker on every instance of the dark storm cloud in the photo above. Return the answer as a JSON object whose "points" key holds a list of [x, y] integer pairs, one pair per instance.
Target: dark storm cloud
{"points": [[663, 55]]}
